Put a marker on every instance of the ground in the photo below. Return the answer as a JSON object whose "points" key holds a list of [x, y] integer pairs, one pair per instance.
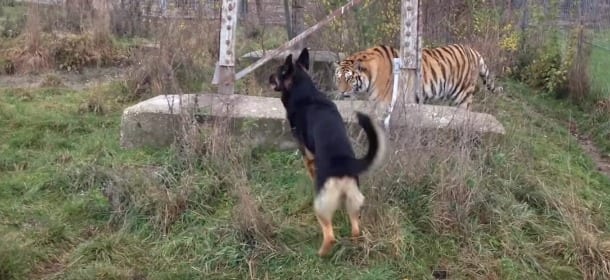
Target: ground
{"points": [[60, 163], [601, 159], [89, 77]]}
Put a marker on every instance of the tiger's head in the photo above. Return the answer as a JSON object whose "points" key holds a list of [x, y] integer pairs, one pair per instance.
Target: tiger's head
{"points": [[350, 79]]}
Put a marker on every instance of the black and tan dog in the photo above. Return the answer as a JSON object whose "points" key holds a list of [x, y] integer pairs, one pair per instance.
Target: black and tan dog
{"points": [[319, 129]]}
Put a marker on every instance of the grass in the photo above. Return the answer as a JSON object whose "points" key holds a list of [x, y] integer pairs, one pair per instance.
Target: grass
{"points": [[591, 120], [600, 58], [56, 219], [12, 21], [11, 18], [594, 124], [598, 123]]}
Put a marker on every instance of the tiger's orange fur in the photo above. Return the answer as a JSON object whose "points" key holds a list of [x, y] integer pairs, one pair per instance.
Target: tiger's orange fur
{"points": [[449, 73]]}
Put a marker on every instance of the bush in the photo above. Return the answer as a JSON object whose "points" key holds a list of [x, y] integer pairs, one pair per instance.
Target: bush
{"points": [[545, 69], [556, 68], [7, 66], [32, 56], [74, 52], [180, 63]]}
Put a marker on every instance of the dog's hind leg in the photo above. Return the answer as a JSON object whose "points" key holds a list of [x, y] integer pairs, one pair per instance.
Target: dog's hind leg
{"points": [[310, 164], [329, 237], [326, 203], [353, 203], [311, 168]]}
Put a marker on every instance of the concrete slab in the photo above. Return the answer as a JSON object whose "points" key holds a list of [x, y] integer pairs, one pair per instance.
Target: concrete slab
{"points": [[155, 122]]}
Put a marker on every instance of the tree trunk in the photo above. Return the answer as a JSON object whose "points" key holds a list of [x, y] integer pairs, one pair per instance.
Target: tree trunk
{"points": [[260, 12], [101, 22], [243, 10]]}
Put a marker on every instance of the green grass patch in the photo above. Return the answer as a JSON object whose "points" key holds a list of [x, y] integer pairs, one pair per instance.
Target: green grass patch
{"points": [[73, 204], [600, 59], [595, 124], [12, 18], [595, 120]]}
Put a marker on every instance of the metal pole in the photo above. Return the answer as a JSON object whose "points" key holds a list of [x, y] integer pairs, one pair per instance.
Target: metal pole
{"points": [[409, 77], [224, 75]]}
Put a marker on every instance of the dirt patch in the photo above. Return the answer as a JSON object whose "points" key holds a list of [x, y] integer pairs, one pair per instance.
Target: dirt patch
{"points": [[601, 160], [77, 81]]}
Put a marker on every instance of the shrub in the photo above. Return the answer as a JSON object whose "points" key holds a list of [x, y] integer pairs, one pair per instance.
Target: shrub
{"points": [[74, 52], [546, 71], [33, 56], [179, 63]]}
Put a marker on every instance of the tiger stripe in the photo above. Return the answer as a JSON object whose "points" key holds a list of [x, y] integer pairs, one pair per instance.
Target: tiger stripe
{"points": [[449, 73]]}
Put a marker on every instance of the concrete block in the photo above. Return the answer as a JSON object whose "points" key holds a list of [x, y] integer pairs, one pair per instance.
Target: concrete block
{"points": [[156, 122]]}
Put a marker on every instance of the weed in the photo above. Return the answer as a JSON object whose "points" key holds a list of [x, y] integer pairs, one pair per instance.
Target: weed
{"points": [[13, 261], [34, 57], [74, 52], [51, 80]]}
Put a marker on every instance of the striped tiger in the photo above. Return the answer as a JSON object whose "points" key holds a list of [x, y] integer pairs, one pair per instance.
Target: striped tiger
{"points": [[449, 73]]}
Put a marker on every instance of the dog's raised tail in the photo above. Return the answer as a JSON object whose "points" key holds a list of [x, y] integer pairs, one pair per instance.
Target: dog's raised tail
{"points": [[377, 144]]}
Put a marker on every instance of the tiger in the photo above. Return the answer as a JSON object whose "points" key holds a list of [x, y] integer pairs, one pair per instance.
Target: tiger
{"points": [[448, 73]]}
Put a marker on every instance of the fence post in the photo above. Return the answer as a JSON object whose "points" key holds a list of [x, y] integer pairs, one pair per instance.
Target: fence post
{"points": [[224, 76], [288, 18], [407, 66], [298, 23]]}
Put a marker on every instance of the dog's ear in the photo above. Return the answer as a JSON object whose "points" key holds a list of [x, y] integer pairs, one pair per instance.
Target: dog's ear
{"points": [[288, 66], [288, 60], [303, 59]]}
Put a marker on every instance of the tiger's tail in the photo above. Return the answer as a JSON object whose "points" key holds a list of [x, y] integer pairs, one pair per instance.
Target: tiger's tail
{"points": [[487, 78]]}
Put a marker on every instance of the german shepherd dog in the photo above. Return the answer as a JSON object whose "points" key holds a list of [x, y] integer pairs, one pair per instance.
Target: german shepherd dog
{"points": [[318, 128]]}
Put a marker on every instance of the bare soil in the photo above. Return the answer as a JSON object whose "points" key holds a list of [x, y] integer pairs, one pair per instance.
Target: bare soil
{"points": [[601, 160], [77, 81]]}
